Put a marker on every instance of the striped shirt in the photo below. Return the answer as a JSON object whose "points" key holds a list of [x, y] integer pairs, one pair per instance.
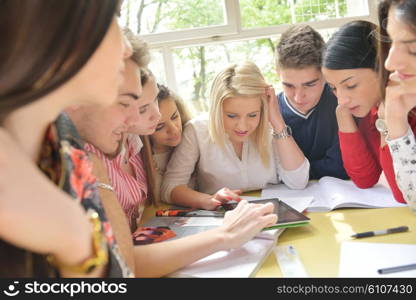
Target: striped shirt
{"points": [[131, 190]]}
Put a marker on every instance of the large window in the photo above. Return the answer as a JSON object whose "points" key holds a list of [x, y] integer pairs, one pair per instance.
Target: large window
{"points": [[192, 40], [261, 13], [196, 66], [157, 16]]}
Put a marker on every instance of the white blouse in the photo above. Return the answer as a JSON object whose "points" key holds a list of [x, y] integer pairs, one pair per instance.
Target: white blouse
{"points": [[216, 167], [403, 153]]}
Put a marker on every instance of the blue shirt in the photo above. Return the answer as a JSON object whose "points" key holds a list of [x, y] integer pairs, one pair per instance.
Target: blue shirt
{"points": [[316, 134]]}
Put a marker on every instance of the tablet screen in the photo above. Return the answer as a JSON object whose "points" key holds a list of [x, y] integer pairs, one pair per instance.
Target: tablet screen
{"points": [[286, 214]]}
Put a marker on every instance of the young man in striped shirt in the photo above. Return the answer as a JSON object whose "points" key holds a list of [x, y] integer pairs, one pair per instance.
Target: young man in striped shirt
{"points": [[105, 131]]}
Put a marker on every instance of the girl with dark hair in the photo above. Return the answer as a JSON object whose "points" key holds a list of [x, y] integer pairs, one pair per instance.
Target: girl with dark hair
{"points": [[350, 68], [168, 133], [398, 119], [54, 54]]}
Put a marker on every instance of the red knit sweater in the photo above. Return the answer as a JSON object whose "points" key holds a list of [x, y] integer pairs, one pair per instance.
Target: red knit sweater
{"points": [[363, 158]]}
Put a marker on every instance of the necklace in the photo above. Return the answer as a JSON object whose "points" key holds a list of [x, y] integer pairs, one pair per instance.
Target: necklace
{"points": [[158, 170], [163, 159]]}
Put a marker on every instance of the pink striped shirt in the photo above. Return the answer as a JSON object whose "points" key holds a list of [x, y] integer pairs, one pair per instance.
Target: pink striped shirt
{"points": [[131, 190]]}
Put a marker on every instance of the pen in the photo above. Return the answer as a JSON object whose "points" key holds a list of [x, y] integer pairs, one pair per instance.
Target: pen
{"points": [[397, 269], [380, 232]]}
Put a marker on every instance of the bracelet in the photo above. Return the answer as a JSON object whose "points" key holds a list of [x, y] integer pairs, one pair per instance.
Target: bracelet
{"points": [[100, 254], [104, 186], [285, 133]]}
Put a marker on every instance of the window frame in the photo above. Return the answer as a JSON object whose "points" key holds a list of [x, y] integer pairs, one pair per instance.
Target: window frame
{"points": [[232, 31]]}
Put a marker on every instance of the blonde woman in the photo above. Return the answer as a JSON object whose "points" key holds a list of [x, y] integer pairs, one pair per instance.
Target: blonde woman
{"points": [[234, 149]]}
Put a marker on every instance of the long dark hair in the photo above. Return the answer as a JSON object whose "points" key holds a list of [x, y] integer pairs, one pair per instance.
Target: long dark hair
{"points": [[406, 12], [353, 46], [43, 43], [163, 94], [46, 42]]}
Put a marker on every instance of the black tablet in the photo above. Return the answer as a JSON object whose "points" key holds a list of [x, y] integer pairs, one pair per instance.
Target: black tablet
{"points": [[287, 215]]}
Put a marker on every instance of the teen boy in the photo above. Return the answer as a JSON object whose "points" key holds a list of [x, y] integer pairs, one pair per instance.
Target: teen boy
{"points": [[307, 103]]}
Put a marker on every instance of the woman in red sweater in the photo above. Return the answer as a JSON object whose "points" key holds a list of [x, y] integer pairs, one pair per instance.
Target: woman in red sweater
{"points": [[349, 67]]}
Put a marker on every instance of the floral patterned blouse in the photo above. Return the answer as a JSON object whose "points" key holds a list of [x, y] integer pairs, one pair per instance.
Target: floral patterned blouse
{"points": [[403, 152], [67, 165]]}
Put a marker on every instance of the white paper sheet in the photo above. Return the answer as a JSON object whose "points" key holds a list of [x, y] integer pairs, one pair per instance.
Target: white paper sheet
{"points": [[358, 259], [242, 262]]}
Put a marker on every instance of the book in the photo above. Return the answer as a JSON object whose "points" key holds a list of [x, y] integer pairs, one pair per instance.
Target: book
{"points": [[331, 193], [287, 215]]}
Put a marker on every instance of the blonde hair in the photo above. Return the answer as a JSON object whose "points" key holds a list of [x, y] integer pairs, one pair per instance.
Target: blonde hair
{"points": [[239, 80], [141, 54]]}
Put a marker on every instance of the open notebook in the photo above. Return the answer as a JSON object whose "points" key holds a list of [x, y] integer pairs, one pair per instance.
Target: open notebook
{"points": [[331, 193]]}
